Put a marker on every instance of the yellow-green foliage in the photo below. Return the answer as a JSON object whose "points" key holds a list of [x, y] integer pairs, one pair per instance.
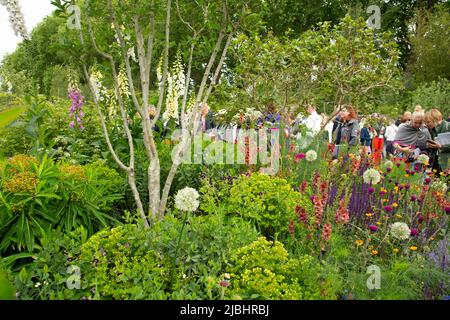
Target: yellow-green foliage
{"points": [[121, 266], [268, 201], [264, 270], [21, 162], [22, 182], [75, 172], [8, 116]]}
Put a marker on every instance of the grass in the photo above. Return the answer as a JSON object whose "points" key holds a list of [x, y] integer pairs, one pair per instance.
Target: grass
{"points": [[8, 116]]}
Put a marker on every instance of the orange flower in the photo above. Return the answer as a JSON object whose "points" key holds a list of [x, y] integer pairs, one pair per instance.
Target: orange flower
{"points": [[413, 248], [374, 252]]}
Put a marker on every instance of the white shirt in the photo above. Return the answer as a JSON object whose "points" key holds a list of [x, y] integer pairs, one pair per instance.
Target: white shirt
{"points": [[313, 123], [329, 128], [391, 132]]}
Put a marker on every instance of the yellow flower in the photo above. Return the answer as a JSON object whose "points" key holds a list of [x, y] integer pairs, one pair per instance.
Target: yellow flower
{"points": [[399, 216], [413, 248], [359, 243], [369, 215], [395, 250], [379, 223], [395, 188], [434, 170], [395, 205], [374, 252]]}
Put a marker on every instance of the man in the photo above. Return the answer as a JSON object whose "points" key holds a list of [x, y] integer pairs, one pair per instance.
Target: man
{"points": [[391, 132]]}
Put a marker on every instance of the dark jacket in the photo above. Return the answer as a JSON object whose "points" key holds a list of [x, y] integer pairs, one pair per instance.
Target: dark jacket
{"points": [[347, 133], [365, 137]]}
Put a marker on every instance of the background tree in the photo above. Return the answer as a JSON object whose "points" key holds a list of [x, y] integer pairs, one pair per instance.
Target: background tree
{"points": [[430, 45], [328, 67]]}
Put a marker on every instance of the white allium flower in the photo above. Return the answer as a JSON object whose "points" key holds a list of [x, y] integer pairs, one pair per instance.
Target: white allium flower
{"points": [[252, 114], [439, 186], [388, 164], [400, 231], [423, 159], [187, 200], [372, 176], [15, 17], [311, 156]]}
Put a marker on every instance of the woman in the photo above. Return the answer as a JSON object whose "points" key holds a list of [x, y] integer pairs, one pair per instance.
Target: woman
{"points": [[347, 130], [440, 154], [411, 138]]}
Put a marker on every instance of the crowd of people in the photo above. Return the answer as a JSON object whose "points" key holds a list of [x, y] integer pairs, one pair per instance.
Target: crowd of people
{"points": [[413, 134], [409, 136]]}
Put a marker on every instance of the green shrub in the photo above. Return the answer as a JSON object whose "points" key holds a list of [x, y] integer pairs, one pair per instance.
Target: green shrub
{"points": [[131, 262], [269, 202], [264, 270], [46, 275]]}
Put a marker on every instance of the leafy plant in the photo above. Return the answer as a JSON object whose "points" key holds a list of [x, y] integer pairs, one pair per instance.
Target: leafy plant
{"points": [[269, 202]]}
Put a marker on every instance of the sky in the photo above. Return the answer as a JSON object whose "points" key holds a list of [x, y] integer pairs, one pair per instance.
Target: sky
{"points": [[34, 12]]}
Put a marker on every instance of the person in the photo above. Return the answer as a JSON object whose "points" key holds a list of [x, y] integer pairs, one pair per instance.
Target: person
{"points": [[206, 118], [365, 139], [406, 117], [313, 121], [378, 142], [391, 131], [440, 154], [419, 109], [411, 138], [347, 131]]}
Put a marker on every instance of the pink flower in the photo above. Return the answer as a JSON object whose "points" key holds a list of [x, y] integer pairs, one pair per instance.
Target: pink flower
{"points": [[291, 228], [326, 232], [224, 283], [300, 156], [373, 228], [388, 208], [342, 215]]}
